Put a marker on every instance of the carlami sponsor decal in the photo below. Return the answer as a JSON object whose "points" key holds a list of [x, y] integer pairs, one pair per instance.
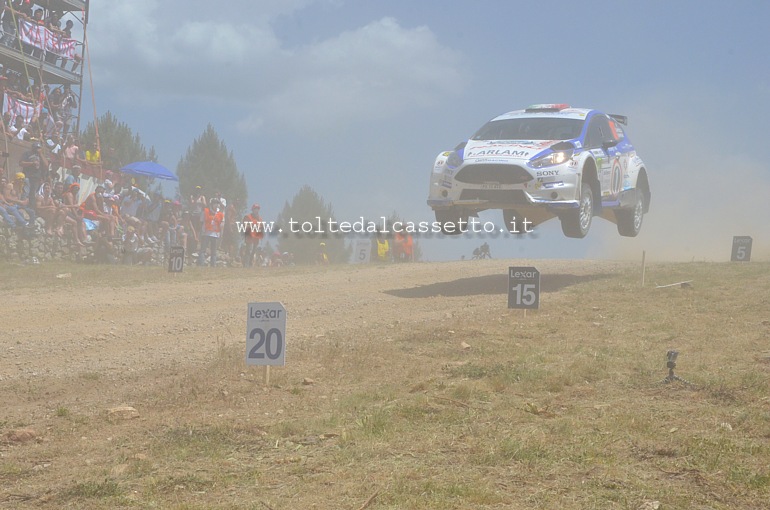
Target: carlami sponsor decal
{"points": [[497, 152]]}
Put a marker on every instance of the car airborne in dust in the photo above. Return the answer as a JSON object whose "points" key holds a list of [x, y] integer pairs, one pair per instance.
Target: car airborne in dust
{"points": [[546, 161]]}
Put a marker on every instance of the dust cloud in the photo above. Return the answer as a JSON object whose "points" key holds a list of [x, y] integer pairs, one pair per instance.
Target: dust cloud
{"points": [[705, 190]]}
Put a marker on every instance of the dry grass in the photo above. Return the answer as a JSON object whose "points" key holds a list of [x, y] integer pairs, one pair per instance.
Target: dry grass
{"points": [[563, 409]]}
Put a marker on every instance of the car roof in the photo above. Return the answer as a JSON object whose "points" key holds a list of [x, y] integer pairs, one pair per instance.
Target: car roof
{"points": [[569, 113]]}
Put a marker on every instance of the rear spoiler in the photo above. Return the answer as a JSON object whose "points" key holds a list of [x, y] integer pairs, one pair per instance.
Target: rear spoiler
{"points": [[620, 118]]}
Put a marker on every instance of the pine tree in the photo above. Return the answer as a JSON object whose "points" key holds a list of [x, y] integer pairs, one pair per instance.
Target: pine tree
{"points": [[126, 146], [209, 164], [307, 209]]}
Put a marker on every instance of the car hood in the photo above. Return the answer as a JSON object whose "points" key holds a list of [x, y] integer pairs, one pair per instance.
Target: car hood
{"points": [[490, 151]]}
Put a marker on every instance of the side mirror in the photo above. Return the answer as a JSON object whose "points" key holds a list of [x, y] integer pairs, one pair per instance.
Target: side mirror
{"points": [[609, 144]]}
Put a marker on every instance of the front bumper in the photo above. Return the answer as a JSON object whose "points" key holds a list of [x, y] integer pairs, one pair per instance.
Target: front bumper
{"points": [[553, 187]]}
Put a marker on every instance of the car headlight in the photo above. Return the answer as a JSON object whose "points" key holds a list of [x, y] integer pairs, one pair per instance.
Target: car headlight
{"points": [[454, 160], [554, 158]]}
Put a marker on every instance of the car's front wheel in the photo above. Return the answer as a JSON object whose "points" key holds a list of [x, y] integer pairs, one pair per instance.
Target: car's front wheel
{"points": [[577, 222], [630, 220], [452, 221]]}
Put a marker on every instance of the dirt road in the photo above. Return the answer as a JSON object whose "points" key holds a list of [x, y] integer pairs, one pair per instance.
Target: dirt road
{"points": [[155, 321]]}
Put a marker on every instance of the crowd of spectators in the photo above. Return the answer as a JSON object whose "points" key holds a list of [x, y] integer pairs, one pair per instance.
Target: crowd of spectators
{"points": [[38, 15], [52, 113], [33, 109], [119, 219], [41, 198]]}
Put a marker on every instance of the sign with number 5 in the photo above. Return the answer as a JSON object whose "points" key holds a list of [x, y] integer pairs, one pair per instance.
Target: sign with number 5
{"points": [[362, 251], [741, 249]]}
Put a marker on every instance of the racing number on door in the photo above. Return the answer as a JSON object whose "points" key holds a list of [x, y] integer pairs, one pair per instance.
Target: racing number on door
{"points": [[524, 294], [616, 177], [272, 342]]}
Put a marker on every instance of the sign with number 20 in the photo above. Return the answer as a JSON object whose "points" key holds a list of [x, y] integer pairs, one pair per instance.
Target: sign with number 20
{"points": [[266, 334]]}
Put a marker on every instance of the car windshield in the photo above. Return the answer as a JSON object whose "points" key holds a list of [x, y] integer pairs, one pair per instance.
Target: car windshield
{"points": [[548, 128]]}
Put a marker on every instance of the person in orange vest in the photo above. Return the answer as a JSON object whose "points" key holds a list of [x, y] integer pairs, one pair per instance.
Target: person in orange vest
{"points": [[212, 229], [403, 247], [407, 249], [399, 240], [254, 234]]}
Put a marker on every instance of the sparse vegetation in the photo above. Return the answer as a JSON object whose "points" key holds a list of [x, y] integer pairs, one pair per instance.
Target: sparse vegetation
{"points": [[564, 408]]}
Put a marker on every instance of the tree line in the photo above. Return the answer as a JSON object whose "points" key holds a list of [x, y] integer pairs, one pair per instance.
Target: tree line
{"points": [[210, 164]]}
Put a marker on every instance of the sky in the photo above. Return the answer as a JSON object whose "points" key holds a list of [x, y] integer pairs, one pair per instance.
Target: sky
{"points": [[357, 97]]}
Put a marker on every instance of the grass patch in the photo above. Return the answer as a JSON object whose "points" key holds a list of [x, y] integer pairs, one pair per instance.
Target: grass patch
{"points": [[104, 489], [564, 408]]}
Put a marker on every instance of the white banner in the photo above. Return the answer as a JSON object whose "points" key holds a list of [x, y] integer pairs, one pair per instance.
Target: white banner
{"points": [[19, 108], [40, 37], [32, 33]]}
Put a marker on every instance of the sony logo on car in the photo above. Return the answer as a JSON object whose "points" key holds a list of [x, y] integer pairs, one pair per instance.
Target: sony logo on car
{"points": [[547, 173]]}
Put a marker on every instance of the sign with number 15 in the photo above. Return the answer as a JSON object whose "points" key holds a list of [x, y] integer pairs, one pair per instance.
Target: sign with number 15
{"points": [[523, 288]]}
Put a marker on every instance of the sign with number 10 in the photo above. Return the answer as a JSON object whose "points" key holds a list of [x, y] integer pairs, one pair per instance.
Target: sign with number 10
{"points": [[176, 259], [266, 334]]}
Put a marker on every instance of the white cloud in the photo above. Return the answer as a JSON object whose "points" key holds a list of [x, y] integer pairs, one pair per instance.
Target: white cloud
{"points": [[149, 52], [375, 72], [213, 43], [250, 124], [125, 29]]}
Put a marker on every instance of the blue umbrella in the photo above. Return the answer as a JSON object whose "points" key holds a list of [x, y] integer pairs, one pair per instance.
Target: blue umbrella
{"points": [[149, 169]]}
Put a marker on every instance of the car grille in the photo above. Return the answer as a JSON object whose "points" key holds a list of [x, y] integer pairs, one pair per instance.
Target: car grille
{"points": [[503, 174], [505, 196]]}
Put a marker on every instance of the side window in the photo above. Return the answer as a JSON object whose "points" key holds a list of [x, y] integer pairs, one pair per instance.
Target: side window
{"points": [[594, 136], [616, 131], [600, 130]]}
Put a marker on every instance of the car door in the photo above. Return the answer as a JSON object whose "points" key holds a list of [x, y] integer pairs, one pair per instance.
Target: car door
{"points": [[620, 155], [598, 132]]}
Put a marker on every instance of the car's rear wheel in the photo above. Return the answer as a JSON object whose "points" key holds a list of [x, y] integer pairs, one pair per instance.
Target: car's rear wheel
{"points": [[630, 220], [577, 222], [449, 220]]}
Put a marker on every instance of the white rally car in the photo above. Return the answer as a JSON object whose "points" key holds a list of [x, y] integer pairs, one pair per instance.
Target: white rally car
{"points": [[546, 161]]}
